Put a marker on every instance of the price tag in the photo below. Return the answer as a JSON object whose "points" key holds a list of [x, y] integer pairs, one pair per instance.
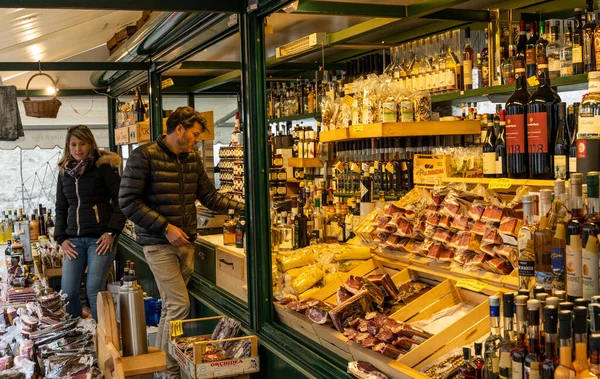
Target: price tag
{"points": [[533, 81], [348, 101], [471, 284], [501, 183], [176, 328], [354, 167], [357, 128], [389, 167], [339, 166]]}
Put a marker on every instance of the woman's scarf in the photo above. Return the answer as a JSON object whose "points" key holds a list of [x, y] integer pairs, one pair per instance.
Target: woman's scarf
{"points": [[77, 168]]}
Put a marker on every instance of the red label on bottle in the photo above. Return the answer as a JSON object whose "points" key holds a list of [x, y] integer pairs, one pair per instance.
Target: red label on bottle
{"points": [[537, 132], [581, 148], [515, 134]]}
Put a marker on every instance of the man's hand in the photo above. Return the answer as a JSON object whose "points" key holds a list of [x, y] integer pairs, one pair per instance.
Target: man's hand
{"points": [[176, 236]]}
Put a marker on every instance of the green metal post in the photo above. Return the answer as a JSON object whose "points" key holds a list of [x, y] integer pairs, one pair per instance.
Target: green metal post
{"points": [[155, 102], [256, 157], [112, 122]]}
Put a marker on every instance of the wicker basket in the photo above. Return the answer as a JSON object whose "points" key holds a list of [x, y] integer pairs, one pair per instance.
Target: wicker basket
{"points": [[41, 108]]}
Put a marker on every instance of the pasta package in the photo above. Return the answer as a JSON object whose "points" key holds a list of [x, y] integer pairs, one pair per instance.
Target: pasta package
{"points": [[307, 279], [353, 253], [294, 261]]}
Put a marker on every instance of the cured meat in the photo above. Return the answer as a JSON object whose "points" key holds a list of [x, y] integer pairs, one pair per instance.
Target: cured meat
{"points": [[393, 242], [405, 229], [352, 284], [385, 282], [495, 213], [370, 316], [375, 293], [385, 336], [433, 219], [342, 295], [446, 255], [479, 227], [355, 322], [432, 209], [405, 344], [409, 291], [380, 320], [360, 337], [369, 342], [435, 250], [488, 249], [383, 237], [460, 223], [319, 314], [464, 257], [476, 210], [492, 236], [506, 251], [365, 370], [357, 306], [391, 209], [468, 241], [387, 349], [499, 266], [479, 261], [350, 333], [442, 235], [372, 328], [362, 326], [510, 226], [419, 228]]}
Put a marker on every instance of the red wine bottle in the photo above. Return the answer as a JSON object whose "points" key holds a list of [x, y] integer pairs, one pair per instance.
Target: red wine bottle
{"points": [[542, 120], [489, 150], [500, 146], [561, 145], [516, 134], [531, 51]]}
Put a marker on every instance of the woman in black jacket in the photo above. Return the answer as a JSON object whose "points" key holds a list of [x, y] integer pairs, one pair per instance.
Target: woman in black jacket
{"points": [[88, 217]]}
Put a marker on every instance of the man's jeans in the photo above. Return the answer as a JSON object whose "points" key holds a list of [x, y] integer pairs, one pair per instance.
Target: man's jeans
{"points": [[172, 268], [73, 269]]}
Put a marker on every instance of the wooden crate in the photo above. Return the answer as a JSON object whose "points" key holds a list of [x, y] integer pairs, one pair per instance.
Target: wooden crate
{"points": [[139, 132], [197, 368]]}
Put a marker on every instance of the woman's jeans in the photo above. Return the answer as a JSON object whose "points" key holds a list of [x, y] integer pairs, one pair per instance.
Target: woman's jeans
{"points": [[73, 269]]}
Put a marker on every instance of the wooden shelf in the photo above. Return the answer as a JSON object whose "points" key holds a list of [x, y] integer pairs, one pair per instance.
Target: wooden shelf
{"points": [[402, 129], [305, 162], [511, 182], [316, 116], [573, 82]]}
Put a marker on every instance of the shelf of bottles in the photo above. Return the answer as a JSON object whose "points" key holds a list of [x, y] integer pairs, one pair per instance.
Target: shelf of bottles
{"points": [[290, 101], [231, 168]]}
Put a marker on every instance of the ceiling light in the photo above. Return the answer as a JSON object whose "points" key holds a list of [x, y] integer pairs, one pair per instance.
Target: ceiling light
{"points": [[51, 90], [291, 7]]}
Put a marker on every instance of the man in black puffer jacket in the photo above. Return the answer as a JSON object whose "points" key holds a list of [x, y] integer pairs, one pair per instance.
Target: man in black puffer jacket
{"points": [[160, 184]]}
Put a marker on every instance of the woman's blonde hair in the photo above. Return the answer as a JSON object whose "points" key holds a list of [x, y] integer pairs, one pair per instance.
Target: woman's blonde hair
{"points": [[83, 133]]}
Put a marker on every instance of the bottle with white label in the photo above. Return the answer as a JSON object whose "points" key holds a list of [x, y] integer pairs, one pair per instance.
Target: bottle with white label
{"points": [[489, 150], [573, 253], [590, 231]]}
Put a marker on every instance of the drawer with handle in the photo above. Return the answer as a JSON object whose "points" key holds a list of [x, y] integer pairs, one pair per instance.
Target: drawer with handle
{"points": [[231, 264]]}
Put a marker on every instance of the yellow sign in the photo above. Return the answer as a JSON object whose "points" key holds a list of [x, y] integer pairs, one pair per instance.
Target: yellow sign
{"points": [[176, 328], [354, 167], [471, 284], [357, 128], [389, 167], [430, 168], [501, 183], [339, 166], [167, 83], [532, 81]]}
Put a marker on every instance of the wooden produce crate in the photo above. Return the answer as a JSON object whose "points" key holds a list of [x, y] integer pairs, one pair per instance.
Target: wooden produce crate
{"points": [[197, 368], [450, 296]]}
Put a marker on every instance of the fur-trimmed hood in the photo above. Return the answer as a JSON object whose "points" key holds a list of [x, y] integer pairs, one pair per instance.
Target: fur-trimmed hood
{"points": [[109, 158]]}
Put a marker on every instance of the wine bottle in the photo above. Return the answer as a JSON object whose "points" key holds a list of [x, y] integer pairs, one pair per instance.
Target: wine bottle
{"points": [[533, 359], [522, 43], [589, 56], [519, 352], [530, 51], [590, 232], [578, 43], [573, 112], [500, 147], [516, 135], [561, 145], [468, 58], [574, 266], [489, 150], [542, 112]]}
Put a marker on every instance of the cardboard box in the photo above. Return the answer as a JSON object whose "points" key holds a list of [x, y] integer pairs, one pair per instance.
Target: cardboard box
{"points": [[122, 136], [139, 132], [196, 368]]}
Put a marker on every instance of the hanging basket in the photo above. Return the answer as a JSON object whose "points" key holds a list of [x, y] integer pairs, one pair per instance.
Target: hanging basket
{"points": [[41, 108]]}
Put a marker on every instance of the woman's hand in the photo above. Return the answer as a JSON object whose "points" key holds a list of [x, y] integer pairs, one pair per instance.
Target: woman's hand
{"points": [[105, 243], [68, 249]]}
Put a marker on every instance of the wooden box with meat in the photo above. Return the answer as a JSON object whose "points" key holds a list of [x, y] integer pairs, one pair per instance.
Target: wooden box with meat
{"points": [[224, 353]]}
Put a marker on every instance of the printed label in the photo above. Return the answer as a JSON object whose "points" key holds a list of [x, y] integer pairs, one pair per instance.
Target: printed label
{"points": [[390, 111], [530, 56], [499, 164], [500, 183], [537, 132], [581, 148], [407, 109], [505, 365], [554, 65], [558, 268], [468, 71], [364, 191], [573, 267], [517, 369], [471, 284], [560, 167], [526, 268], [572, 164], [533, 371], [577, 54], [542, 279], [489, 163], [589, 268], [532, 81], [515, 134], [176, 328], [450, 79], [589, 125]]}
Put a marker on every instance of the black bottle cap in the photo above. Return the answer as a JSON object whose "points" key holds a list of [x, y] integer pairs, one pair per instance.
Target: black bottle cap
{"points": [[580, 323], [581, 302], [508, 301], [537, 289], [565, 321], [478, 348], [533, 316], [550, 319], [566, 306], [595, 341], [467, 353]]}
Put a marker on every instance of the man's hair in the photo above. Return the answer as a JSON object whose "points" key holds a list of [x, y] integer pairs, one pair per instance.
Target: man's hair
{"points": [[186, 117]]}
